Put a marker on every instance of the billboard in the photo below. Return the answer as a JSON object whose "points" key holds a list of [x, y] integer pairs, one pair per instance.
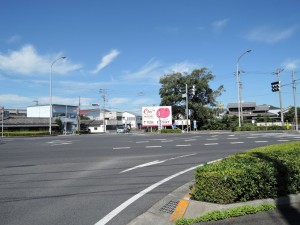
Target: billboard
{"points": [[157, 116]]}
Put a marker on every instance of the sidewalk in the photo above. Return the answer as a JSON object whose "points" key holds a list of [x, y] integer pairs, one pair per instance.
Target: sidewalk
{"points": [[177, 205]]}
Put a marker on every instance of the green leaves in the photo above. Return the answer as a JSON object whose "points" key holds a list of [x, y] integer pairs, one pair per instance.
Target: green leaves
{"points": [[266, 172]]}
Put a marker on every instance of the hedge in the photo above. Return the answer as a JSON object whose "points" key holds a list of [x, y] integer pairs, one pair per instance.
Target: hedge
{"points": [[165, 131], [265, 172]]}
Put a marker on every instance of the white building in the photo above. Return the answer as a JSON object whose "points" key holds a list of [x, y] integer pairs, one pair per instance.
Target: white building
{"points": [[131, 119], [67, 114]]}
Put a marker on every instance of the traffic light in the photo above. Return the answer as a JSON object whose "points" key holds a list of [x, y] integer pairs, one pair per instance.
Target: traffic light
{"points": [[275, 86], [193, 90]]}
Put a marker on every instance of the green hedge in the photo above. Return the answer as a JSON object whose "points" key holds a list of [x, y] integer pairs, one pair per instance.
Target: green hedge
{"points": [[166, 131], [265, 172], [25, 133]]}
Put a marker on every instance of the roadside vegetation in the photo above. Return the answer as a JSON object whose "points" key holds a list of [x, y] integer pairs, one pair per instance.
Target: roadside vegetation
{"points": [[265, 172], [260, 173], [225, 214]]}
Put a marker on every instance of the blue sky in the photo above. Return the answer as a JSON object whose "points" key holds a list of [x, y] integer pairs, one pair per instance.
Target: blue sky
{"points": [[124, 47]]}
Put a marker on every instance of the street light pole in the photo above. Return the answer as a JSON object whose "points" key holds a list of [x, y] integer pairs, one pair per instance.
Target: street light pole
{"points": [[240, 110], [50, 117]]}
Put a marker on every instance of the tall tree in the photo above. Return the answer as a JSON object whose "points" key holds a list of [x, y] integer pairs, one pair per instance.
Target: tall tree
{"points": [[199, 103]]}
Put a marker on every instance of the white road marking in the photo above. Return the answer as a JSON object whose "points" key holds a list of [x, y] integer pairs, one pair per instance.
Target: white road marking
{"points": [[183, 145], [154, 146], [212, 139], [125, 204], [232, 138], [231, 135], [155, 162], [190, 140], [260, 141], [121, 148], [283, 140], [211, 144], [251, 137], [237, 142], [167, 141], [142, 142]]}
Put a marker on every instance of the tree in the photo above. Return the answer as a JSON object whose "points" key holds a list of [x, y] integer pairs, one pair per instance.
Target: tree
{"points": [[290, 115], [200, 103]]}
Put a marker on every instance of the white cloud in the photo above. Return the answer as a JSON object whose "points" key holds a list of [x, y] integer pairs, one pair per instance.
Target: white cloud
{"points": [[219, 25], [107, 59], [9, 100], [291, 64], [270, 35], [151, 70], [13, 39], [182, 67], [27, 61]]}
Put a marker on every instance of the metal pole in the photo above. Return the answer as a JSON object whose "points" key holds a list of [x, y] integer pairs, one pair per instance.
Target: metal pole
{"points": [[277, 73], [50, 117], [239, 86], [2, 119], [295, 103], [187, 108]]}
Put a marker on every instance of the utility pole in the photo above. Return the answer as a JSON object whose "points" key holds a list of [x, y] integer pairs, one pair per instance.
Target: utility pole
{"points": [[295, 103], [277, 73], [78, 116], [103, 92], [187, 108]]}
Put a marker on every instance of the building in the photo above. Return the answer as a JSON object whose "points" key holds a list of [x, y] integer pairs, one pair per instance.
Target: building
{"points": [[66, 113], [131, 119], [251, 111]]}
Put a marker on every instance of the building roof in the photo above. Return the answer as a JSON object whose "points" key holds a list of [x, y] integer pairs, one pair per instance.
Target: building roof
{"points": [[28, 122], [244, 104]]}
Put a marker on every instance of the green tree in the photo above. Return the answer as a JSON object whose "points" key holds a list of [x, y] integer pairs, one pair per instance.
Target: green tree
{"points": [[200, 103], [290, 115]]}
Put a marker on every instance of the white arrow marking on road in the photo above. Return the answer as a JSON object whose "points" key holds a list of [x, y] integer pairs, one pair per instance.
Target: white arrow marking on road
{"points": [[125, 204], [155, 162]]}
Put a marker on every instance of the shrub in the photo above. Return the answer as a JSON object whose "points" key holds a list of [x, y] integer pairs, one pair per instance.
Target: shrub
{"points": [[172, 131], [225, 214], [266, 172]]}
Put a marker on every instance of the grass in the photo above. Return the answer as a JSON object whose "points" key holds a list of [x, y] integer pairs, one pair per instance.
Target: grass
{"points": [[225, 214]]}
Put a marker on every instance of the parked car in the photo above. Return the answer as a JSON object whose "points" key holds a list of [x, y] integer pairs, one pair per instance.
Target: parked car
{"points": [[121, 129]]}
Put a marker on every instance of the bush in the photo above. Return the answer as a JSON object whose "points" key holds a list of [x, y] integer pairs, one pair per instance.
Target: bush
{"points": [[220, 215], [165, 131], [265, 172], [26, 133]]}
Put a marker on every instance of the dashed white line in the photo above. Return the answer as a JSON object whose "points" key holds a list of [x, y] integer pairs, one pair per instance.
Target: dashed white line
{"points": [[211, 144], [237, 142], [283, 140], [261, 141], [190, 140], [121, 148], [141, 142], [154, 146], [183, 145], [167, 141], [232, 138]]}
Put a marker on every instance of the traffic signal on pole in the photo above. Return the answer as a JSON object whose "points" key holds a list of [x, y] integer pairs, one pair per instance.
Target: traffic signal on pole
{"points": [[193, 90], [275, 86]]}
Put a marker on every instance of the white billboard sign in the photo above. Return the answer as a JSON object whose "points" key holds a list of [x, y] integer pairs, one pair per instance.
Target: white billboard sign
{"points": [[157, 116]]}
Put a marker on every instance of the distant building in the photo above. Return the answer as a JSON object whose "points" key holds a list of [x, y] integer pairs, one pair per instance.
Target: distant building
{"points": [[251, 111]]}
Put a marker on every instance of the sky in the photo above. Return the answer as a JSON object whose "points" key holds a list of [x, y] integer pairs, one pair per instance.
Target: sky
{"points": [[119, 49]]}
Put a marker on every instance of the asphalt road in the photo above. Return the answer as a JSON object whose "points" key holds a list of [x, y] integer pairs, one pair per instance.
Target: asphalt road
{"points": [[108, 178]]}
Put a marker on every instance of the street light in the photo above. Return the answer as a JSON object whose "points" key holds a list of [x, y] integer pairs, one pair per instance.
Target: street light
{"points": [[50, 117], [238, 85]]}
